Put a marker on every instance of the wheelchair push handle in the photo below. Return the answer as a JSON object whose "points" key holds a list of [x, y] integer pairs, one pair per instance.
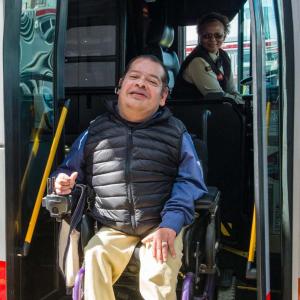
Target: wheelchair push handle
{"points": [[59, 206]]}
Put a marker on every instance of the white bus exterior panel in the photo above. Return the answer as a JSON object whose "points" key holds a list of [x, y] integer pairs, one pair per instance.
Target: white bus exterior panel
{"points": [[296, 174]]}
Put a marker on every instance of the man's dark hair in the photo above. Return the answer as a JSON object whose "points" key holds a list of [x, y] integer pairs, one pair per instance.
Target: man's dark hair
{"points": [[212, 17], [165, 77]]}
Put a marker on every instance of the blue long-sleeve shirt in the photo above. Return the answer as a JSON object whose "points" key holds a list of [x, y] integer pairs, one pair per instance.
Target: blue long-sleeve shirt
{"points": [[188, 186]]}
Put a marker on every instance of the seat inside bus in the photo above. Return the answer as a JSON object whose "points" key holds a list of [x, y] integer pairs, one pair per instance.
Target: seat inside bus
{"points": [[226, 148], [160, 38]]}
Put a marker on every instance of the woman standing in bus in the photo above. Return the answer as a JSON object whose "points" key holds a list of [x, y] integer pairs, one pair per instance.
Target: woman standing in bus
{"points": [[206, 72]]}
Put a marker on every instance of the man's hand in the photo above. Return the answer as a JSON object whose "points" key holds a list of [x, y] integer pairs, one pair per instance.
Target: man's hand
{"points": [[64, 183], [162, 240]]}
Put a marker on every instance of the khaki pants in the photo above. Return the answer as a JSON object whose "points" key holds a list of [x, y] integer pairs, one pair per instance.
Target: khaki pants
{"points": [[107, 255]]}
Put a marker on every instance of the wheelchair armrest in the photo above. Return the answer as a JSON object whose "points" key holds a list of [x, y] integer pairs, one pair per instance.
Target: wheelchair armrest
{"points": [[209, 201], [87, 230]]}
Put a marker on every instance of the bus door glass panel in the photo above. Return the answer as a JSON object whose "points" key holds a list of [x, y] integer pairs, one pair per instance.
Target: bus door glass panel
{"points": [[37, 33], [273, 117], [273, 114]]}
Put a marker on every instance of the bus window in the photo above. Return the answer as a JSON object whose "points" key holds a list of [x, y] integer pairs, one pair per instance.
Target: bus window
{"points": [[230, 45], [93, 59], [191, 40], [91, 46]]}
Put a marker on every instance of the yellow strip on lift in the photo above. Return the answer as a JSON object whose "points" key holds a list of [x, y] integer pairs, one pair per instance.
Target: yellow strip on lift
{"points": [[254, 289], [235, 251]]}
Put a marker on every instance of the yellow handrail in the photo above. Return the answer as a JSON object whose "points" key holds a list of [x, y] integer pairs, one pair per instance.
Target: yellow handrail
{"points": [[46, 174], [252, 245]]}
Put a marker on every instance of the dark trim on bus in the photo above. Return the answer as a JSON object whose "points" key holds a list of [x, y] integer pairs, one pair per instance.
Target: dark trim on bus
{"points": [[181, 40], [11, 57], [287, 215], [240, 57], [122, 40], [90, 90], [59, 66], [76, 59]]}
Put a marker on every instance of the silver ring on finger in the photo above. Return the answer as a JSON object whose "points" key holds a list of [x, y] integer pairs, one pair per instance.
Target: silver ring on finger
{"points": [[164, 244]]}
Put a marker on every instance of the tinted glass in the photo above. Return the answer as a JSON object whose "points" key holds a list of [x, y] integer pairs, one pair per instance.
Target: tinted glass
{"points": [[37, 32], [273, 113], [91, 44]]}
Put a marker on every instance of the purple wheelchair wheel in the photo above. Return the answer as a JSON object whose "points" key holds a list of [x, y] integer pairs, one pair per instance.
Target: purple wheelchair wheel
{"points": [[188, 286], [77, 289]]}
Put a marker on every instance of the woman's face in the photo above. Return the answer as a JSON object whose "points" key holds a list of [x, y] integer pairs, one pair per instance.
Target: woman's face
{"points": [[212, 36]]}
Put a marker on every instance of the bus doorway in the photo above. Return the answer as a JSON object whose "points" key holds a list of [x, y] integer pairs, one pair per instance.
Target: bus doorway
{"points": [[78, 50]]}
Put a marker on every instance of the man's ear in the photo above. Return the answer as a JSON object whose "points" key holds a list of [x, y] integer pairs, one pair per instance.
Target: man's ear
{"points": [[119, 86], [120, 83], [164, 95]]}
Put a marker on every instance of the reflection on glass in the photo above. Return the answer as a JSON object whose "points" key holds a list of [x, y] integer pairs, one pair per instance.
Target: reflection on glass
{"points": [[37, 29], [36, 63], [273, 112]]}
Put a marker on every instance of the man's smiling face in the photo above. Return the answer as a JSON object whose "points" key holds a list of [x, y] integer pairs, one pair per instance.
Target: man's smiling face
{"points": [[142, 90]]}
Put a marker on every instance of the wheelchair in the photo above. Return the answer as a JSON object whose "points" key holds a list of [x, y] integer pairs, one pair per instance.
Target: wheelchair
{"points": [[197, 277]]}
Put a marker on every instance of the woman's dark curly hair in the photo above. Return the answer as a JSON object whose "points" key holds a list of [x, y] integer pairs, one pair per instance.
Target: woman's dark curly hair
{"points": [[211, 17]]}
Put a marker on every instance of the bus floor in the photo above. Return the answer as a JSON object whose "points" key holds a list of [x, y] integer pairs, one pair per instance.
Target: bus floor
{"points": [[242, 293], [246, 289]]}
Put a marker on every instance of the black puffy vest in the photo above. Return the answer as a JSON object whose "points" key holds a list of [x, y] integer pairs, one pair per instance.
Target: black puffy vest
{"points": [[184, 89], [132, 169]]}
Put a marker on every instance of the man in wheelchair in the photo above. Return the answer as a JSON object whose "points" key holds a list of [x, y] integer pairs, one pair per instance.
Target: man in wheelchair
{"points": [[142, 165]]}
